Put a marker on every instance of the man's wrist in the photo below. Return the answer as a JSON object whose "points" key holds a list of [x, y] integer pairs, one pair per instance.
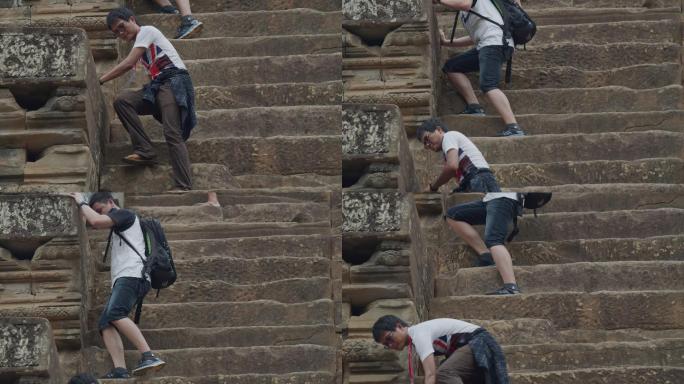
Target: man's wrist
{"points": [[82, 203]]}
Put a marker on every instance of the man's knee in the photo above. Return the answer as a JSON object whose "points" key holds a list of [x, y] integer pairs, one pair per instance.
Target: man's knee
{"points": [[486, 88], [493, 241], [120, 102]]}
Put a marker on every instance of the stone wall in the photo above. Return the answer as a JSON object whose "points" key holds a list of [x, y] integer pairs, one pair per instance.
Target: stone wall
{"points": [[49, 94], [41, 264], [381, 244], [27, 352]]}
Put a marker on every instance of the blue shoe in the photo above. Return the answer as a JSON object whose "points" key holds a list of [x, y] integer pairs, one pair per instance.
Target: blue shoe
{"points": [[148, 363], [117, 373], [511, 130], [506, 290], [189, 29]]}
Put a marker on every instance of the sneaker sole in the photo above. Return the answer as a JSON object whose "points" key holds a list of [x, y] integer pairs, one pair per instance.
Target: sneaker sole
{"points": [[191, 33], [150, 368]]}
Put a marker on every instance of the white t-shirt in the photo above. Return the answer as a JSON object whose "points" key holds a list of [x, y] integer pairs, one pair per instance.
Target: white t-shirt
{"points": [[469, 157], [159, 54], [125, 262], [483, 32], [435, 336]]}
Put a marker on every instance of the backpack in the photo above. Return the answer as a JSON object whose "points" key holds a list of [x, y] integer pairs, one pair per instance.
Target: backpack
{"points": [[529, 200], [158, 264], [517, 25]]}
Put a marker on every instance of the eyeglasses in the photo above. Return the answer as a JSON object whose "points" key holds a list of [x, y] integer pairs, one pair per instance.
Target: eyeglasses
{"points": [[389, 340], [426, 139], [120, 28]]}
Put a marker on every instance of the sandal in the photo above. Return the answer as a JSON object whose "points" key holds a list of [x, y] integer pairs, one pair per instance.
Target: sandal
{"points": [[136, 159]]}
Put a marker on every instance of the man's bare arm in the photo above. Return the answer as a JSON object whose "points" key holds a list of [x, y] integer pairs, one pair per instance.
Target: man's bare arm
{"points": [[460, 5], [124, 66], [93, 218], [430, 369], [449, 169]]}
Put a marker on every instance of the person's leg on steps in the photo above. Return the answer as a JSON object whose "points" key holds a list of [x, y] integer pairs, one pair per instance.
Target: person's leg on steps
{"points": [[178, 151]]}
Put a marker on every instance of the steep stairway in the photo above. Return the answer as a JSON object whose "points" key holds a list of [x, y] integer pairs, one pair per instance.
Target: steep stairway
{"points": [[599, 93], [268, 92], [253, 298]]}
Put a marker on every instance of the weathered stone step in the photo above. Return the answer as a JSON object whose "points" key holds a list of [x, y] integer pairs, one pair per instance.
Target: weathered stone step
{"points": [[545, 4], [576, 100], [603, 56], [304, 180], [253, 155], [582, 147], [641, 76], [228, 360], [256, 378], [309, 120], [613, 197], [592, 225], [525, 331], [656, 248], [232, 71], [598, 310], [241, 271], [257, 23], [287, 245], [218, 47], [234, 337], [288, 290], [144, 7], [265, 70], [643, 31], [605, 13], [298, 212], [230, 314], [157, 179], [525, 358], [267, 95], [632, 375], [577, 277], [238, 230], [665, 170], [537, 124], [230, 197]]}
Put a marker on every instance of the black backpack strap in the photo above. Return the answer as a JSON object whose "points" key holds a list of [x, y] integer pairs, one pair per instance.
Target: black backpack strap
{"points": [[453, 29], [515, 230], [138, 309], [109, 243], [509, 68], [132, 247]]}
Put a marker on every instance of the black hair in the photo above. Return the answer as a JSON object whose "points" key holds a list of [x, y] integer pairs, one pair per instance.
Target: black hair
{"points": [[83, 378], [122, 13], [386, 323], [100, 197], [430, 125]]}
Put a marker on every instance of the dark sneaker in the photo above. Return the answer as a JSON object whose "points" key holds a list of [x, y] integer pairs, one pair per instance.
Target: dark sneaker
{"points": [[148, 364], [169, 9], [511, 130], [485, 260], [473, 109], [189, 29], [506, 291], [117, 373]]}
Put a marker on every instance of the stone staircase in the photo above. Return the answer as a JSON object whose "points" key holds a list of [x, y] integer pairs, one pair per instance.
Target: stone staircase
{"points": [[599, 92], [268, 93], [253, 301]]}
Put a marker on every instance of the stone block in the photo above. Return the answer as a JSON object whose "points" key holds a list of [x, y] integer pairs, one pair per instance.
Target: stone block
{"points": [[374, 211], [12, 163], [63, 164], [374, 145], [33, 216], [382, 10], [32, 55], [28, 352]]}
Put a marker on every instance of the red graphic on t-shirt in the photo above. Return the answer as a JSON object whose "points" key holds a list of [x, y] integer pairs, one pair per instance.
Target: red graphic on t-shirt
{"points": [[154, 60]]}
